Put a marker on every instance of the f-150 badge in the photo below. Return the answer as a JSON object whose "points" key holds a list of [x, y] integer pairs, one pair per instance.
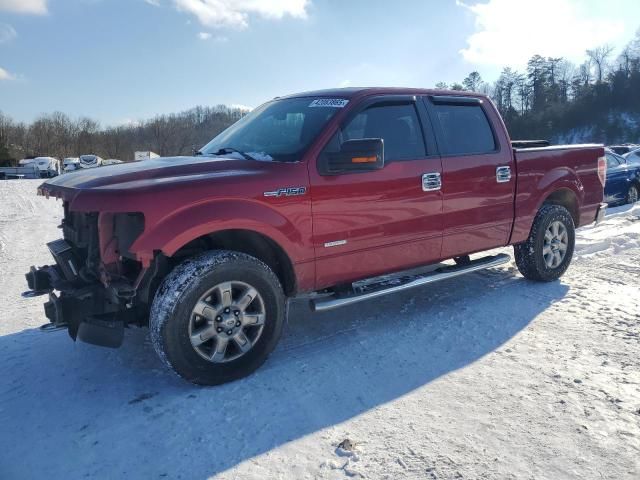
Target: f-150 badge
{"points": [[286, 192]]}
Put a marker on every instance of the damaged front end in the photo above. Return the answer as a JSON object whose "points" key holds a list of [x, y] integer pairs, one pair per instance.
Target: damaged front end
{"points": [[96, 286]]}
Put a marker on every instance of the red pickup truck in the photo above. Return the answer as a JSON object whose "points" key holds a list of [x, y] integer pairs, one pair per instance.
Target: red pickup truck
{"points": [[308, 193]]}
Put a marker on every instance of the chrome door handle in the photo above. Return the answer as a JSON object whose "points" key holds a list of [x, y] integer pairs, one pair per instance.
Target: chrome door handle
{"points": [[431, 182], [503, 174]]}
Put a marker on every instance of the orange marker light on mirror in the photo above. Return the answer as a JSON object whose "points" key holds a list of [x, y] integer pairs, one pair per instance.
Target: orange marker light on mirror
{"points": [[364, 159]]}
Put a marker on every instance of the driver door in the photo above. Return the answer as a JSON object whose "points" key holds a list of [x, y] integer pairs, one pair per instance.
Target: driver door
{"points": [[373, 222]]}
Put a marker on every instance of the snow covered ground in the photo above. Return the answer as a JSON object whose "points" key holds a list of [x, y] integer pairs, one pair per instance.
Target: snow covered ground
{"points": [[485, 376]]}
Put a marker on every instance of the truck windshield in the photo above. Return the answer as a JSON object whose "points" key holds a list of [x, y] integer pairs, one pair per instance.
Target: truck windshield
{"points": [[280, 130]]}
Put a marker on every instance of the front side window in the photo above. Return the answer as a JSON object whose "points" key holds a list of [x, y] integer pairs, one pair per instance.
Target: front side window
{"points": [[280, 130], [397, 125], [465, 130]]}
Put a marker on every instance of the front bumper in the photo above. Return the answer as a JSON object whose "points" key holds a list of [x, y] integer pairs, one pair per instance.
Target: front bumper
{"points": [[91, 312], [83, 313], [602, 211]]}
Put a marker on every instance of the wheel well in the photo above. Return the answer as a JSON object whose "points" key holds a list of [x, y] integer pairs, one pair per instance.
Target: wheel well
{"points": [[251, 243], [567, 199]]}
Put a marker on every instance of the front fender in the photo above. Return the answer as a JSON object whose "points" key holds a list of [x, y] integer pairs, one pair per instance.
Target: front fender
{"points": [[181, 227]]}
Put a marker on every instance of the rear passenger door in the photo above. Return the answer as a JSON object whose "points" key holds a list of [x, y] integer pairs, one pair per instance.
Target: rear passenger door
{"points": [[478, 174]]}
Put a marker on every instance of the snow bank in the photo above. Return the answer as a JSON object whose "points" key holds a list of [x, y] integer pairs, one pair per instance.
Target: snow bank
{"points": [[485, 376], [620, 232]]}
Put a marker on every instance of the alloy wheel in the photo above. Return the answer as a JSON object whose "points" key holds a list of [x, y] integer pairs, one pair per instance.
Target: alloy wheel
{"points": [[227, 321], [556, 242]]}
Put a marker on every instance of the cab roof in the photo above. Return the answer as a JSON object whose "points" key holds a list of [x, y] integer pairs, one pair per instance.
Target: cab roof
{"points": [[355, 92]]}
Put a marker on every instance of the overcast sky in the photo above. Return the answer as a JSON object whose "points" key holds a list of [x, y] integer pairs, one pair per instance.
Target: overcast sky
{"points": [[124, 60]]}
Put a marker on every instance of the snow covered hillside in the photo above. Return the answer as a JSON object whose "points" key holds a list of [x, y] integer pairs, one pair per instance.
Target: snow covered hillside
{"points": [[614, 127], [485, 376]]}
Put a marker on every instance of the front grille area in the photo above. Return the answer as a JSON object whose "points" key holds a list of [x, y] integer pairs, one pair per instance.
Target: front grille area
{"points": [[79, 228], [80, 231]]}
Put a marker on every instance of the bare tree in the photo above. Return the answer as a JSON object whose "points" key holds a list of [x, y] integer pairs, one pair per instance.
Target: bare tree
{"points": [[599, 56], [565, 71], [86, 138], [58, 135]]}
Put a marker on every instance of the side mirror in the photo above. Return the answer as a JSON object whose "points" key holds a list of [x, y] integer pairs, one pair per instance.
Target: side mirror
{"points": [[361, 155]]}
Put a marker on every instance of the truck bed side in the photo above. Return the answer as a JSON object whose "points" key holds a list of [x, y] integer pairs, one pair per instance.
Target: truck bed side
{"points": [[566, 174]]}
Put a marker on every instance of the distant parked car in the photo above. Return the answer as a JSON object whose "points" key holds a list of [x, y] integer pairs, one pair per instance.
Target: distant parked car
{"points": [[111, 161], [48, 167], [624, 148], [633, 157], [623, 180], [28, 170], [140, 156], [90, 161], [70, 164]]}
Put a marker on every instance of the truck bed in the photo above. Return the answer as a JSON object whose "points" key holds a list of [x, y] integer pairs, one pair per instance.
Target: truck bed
{"points": [[541, 168]]}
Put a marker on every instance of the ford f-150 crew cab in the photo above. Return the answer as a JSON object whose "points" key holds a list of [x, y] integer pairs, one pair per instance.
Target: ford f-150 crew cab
{"points": [[313, 194]]}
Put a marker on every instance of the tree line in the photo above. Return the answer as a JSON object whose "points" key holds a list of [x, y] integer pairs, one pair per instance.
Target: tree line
{"points": [[60, 136], [596, 101]]}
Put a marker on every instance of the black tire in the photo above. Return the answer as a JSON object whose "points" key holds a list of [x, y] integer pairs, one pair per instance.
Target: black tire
{"points": [[632, 194], [171, 314], [529, 255]]}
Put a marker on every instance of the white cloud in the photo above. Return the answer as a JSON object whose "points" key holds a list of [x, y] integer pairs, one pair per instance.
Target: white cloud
{"points": [[509, 32], [235, 13], [7, 33], [4, 75], [38, 7], [155, 3], [213, 38]]}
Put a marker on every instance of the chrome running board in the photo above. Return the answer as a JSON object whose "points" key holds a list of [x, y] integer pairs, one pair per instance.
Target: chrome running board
{"points": [[334, 301]]}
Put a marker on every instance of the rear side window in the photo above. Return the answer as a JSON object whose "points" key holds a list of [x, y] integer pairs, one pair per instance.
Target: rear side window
{"points": [[612, 161], [465, 130], [397, 125], [633, 158]]}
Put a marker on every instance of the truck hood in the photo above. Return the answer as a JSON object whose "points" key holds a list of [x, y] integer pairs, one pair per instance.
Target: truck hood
{"points": [[147, 174]]}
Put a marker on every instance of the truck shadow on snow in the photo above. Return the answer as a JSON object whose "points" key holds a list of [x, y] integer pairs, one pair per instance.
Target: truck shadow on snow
{"points": [[119, 413]]}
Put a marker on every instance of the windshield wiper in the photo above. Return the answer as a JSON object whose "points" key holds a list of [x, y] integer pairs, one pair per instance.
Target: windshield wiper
{"points": [[228, 150]]}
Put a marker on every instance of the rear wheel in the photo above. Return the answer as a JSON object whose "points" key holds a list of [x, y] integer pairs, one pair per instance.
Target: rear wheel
{"points": [[632, 194], [217, 317], [547, 253]]}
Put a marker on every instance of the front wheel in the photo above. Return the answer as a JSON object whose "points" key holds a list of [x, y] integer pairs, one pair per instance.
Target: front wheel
{"points": [[547, 253], [217, 317]]}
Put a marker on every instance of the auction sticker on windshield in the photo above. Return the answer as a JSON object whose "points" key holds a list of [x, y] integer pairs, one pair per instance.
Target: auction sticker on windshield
{"points": [[329, 102]]}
